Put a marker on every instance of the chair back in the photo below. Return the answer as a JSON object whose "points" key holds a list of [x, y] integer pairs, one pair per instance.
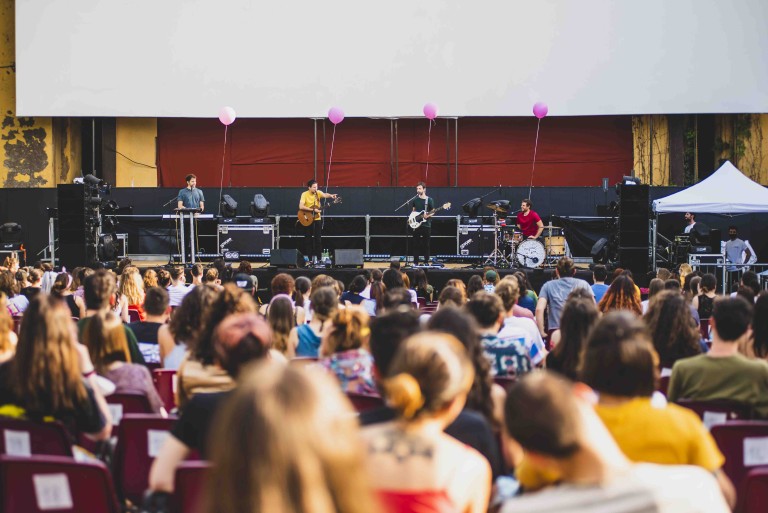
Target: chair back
{"points": [[755, 491], [17, 324], [189, 485], [664, 384], [704, 328], [55, 483], [718, 411], [365, 402], [24, 438], [166, 383], [422, 302], [133, 315], [744, 445], [127, 402], [139, 439]]}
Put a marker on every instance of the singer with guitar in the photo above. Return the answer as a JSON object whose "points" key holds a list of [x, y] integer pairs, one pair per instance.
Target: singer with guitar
{"points": [[309, 212], [421, 236]]}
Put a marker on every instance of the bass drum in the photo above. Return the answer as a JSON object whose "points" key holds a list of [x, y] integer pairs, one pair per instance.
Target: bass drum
{"points": [[530, 253]]}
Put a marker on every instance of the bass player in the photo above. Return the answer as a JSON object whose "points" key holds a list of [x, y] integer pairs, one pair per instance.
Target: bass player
{"points": [[310, 202], [422, 234]]}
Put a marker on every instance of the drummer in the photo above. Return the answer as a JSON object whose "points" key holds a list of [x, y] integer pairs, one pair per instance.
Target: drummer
{"points": [[529, 221]]}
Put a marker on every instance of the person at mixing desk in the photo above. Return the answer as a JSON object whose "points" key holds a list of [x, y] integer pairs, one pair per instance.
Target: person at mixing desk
{"points": [[529, 221], [190, 196]]}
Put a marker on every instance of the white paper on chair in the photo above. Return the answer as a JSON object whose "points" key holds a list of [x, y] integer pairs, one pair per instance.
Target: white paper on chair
{"points": [[755, 451], [155, 440], [116, 410], [17, 443], [713, 418], [52, 491]]}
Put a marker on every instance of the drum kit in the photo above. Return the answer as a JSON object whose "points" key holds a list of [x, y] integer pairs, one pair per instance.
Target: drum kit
{"points": [[512, 249]]}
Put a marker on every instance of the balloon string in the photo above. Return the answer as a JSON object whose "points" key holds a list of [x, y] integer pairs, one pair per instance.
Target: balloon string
{"points": [[535, 147], [328, 175], [429, 140], [223, 156]]}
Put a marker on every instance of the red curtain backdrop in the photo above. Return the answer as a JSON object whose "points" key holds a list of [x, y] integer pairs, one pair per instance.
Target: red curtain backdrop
{"points": [[573, 151]]}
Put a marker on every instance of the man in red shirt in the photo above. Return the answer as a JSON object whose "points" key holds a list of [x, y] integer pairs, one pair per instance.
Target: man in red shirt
{"points": [[529, 221]]}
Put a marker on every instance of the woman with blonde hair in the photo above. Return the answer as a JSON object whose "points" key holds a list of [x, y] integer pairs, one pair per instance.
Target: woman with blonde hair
{"points": [[280, 318], [415, 466], [344, 351], [8, 338], [150, 279], [287, 441], [130, 293]]}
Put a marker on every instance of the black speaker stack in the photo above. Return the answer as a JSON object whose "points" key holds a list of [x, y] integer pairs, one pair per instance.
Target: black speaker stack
{"points": [[78, 226], [634, 217]]}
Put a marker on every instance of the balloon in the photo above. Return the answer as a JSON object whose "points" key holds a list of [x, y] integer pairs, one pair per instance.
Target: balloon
{"points": [[227, 115], [336, 115], [540, 109], [430, 111]]}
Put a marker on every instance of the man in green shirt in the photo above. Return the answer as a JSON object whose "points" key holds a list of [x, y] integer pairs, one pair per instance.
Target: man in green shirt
{"points": [[724, 373]]}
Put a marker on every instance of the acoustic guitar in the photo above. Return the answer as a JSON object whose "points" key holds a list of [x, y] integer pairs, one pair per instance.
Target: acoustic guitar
{"points": [[415, 219], [306, 218]]}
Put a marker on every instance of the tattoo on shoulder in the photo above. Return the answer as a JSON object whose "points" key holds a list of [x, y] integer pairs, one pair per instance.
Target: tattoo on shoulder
{"points": [[401, 445]]}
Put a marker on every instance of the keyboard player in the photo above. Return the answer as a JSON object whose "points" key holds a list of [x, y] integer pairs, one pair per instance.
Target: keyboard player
{"points": [[190, 196]]}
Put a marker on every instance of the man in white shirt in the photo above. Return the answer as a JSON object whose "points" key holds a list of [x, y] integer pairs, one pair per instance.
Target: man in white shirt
{"points": [[178, 288], [560, 432], [690, 218]]}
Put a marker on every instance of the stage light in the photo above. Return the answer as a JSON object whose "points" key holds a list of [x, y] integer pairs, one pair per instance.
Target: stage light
{"points": [[92, 180], [10, 232], [472, 206], [260, 206], [109, 224], [107, 249], [109, 206], [630, 180], [228, 206]]}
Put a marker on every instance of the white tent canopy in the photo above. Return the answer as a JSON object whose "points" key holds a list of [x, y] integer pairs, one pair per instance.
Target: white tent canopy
{"points": [[727, 191]]}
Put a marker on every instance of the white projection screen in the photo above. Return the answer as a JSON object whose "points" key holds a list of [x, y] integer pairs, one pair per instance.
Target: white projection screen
{"points": [[291, 59]]}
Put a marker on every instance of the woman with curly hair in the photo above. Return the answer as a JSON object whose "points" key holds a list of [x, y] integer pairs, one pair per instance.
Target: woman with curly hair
{"points": [[185, 322], [672, 328], [621, 295], [150, 279], [344, 351]]}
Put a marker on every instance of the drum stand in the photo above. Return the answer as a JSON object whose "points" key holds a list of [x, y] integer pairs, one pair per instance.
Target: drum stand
{"points": [[497, 259]]}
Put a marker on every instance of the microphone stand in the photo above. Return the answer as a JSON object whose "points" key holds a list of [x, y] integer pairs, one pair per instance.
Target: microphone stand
{"points": [[407, 235]]}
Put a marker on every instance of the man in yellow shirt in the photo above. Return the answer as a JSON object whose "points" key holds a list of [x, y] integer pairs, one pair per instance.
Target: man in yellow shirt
{"points": [[310, 202]]}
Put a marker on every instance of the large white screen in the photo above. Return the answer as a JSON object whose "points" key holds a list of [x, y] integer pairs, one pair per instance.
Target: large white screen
{"points": [[297, 58]]}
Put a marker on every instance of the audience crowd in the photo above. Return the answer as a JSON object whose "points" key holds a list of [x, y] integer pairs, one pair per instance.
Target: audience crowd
{"points": [[388, 394]]}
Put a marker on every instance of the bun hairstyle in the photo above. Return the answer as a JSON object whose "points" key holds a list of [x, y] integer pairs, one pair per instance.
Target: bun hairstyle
{"points": [[350, 331], [429, 372]]}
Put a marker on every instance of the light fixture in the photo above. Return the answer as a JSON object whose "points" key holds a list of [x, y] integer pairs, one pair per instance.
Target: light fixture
{"points": [[228, 206], [260, 206], [472, 206]]}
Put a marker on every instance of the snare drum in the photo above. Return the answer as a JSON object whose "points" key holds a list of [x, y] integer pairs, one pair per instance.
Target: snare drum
{"points": [[555, 245], [517, 236], [530, 253]]}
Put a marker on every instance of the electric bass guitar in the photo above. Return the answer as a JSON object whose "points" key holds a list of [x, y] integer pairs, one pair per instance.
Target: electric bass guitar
{"points": [[306, 218], [415, 219]]}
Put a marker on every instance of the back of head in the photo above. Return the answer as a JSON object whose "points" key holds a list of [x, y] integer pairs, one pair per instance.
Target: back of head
{"points": [[105, 338], [229, 301], [349, 330], [474, 284], [759, 326], [508, 291], [244, 282], [35, 275], [240, 339], [303, 284], [654, 287], [283, 283], [619, 358], [8, 284], [377, 275], [732, 317], [281, 319], [708, 283], [672, 284], [164, 278], [485, 308], [406, 280], [429, 372], [188, 318], [358, 284], [388, 331], [395, 298], [671, 326], [749, 279], [600, 272], [245, 267], [452, 296], [542, 415], [491, 276], [196, 270], [392, 279], [61, 284], [324, 302], [579, 316], [156, 301], [283, 425], [522, 282], [150, 278], [566, 267], [97, 289], [663, 273], [176, 273]]}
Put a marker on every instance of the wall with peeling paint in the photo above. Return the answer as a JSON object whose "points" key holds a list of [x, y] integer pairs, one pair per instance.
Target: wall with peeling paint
{"points": [[136, 152], [26, 157]]}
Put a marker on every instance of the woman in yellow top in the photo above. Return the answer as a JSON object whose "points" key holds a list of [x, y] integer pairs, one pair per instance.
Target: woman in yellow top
{"points": [[620, 364], [310, 202]]}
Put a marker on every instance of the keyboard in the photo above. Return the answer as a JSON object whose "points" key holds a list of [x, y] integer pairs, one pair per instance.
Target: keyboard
{"points": [[176, 216]]}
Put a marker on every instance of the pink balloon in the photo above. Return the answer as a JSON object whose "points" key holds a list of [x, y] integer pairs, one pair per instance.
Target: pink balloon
{"points": [[336, 115], [430, 110], [227, 115], [540, 109]]}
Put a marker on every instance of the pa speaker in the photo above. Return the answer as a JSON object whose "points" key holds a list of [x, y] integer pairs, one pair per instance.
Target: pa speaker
{"points": [[600, 251], [348, 258], [286, 258], [714, 240], [636, 260]]}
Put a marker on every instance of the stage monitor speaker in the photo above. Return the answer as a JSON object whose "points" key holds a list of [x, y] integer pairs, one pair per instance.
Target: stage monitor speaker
{"points": [[286, 258], [348, 258], [600, 251], [715, 240]]}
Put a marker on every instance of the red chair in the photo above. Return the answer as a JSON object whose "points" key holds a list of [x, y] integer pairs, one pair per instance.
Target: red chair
{"points": [[17, 324], [741, 442], [122, 404], [139, 439], [54, 483], [422, 302], [165, 383], [755, 491], [21, 437], [133, 315], [189, 485], [504, 381], [718, 411], [704, 328], [664, 384], [365, 402]]}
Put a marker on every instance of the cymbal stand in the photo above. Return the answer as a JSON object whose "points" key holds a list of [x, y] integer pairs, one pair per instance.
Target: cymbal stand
{"points": [[497, 258]]}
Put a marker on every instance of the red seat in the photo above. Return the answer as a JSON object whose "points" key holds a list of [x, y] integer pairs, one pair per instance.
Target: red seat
{"points": [[133, 315], [54, 483], [17, 324], [704, 328], [504, 381], [122, 404], [718, 411], [664, 384], [755, 491], [189, 485], [742, 442], [365, 402], [21, 437], [139, 439], [422, 302], [165, 383]]}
